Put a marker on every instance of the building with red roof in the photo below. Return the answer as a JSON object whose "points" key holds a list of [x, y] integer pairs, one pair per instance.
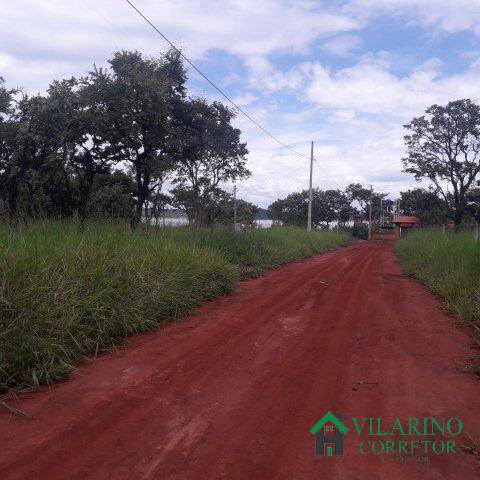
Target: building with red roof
{"points": [[402, 224]]}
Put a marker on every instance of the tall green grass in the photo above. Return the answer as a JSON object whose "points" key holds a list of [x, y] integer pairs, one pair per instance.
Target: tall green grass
{"points": [[449, 265], [65, 294], [256, 250]]}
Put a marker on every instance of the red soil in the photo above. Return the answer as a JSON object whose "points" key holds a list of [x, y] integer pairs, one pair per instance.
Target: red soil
{"points": [[232, 391]]}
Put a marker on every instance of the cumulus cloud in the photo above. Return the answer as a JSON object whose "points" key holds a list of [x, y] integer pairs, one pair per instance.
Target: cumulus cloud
{"points": [[74, 29], [370, 86]]}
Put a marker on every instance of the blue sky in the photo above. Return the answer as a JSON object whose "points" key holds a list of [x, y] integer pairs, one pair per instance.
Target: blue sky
{"points": [[346, 74]]}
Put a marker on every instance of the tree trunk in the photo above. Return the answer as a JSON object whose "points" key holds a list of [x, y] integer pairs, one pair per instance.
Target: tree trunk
{"points": [[137, 218], [143, 182], [86, 185], [459, 209]]}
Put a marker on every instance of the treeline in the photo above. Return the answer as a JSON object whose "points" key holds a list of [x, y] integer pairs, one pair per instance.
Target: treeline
{"points": [[341, 206], [432, 209], [327, 206], [106, 143]]}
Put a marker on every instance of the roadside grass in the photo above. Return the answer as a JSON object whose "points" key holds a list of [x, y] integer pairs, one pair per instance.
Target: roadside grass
{"points": [[66, 294], [449, 265], [257, 250]]}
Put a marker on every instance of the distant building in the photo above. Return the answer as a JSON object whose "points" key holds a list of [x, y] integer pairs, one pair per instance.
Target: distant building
{"points": [[404, 223], [401, 225]]}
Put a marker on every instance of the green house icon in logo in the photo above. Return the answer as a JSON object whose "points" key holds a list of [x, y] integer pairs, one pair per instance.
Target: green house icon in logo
{"points": [[329, 432]]}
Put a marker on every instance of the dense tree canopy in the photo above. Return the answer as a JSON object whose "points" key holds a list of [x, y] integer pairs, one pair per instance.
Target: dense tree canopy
{"points": [[424, 204], [106, 143], [360, 195], [209, 151], [138, 99], [327, 206], [444, 146]]}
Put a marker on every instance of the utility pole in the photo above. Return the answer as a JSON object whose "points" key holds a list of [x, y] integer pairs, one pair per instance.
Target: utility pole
{"points": [[234, 208], [310, 195], [381, 212], [370, 214]]}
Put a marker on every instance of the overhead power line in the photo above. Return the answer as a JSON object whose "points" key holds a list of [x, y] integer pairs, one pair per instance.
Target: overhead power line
{"points": [[219, 90]]}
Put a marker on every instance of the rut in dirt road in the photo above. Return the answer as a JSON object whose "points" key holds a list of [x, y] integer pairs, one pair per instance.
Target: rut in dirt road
{"points": [[233, 391]]}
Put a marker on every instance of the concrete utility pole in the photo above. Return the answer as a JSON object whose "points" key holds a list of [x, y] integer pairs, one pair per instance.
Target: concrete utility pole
{"points": [[234, 208], [310, 195], [370, 214]]}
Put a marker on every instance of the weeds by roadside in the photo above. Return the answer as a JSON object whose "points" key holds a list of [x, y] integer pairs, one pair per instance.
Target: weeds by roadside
{"points": [[66, 294], [449, 265], [471, 447]]}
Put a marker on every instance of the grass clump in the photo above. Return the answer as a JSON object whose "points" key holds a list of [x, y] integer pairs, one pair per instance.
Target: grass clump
{"points": [[449, 265], [65, 293], [256, 250]]}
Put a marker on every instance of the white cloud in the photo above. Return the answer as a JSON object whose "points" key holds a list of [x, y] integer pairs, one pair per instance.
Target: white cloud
{"points": [[77, 29], [342, 45], [370, 87], [446, 15], [245, 98], [365, 107]]}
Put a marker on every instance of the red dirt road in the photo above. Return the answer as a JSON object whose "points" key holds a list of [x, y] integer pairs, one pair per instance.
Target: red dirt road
{"points": [[231, 392]]}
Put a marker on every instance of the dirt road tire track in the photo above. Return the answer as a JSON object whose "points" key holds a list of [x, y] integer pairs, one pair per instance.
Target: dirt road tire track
{"points": [[232, 391]]}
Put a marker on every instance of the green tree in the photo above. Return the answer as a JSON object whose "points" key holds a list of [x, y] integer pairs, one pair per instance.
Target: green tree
{"points": [[361, 195], [221, 210], [138, 98], [424, 204], [327, 206], [330, 205], [444, 146], [56, 152], [36, 176], [208, 151], [112, 196], [291, 210], [8, 147], [84, 151]]}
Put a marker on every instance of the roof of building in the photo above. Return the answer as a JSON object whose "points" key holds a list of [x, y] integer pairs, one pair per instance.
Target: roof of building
{"points": [[406, 219]]}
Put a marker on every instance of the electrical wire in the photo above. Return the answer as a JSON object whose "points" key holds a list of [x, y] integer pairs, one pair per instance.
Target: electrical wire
{"points": [[219, 90]]}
